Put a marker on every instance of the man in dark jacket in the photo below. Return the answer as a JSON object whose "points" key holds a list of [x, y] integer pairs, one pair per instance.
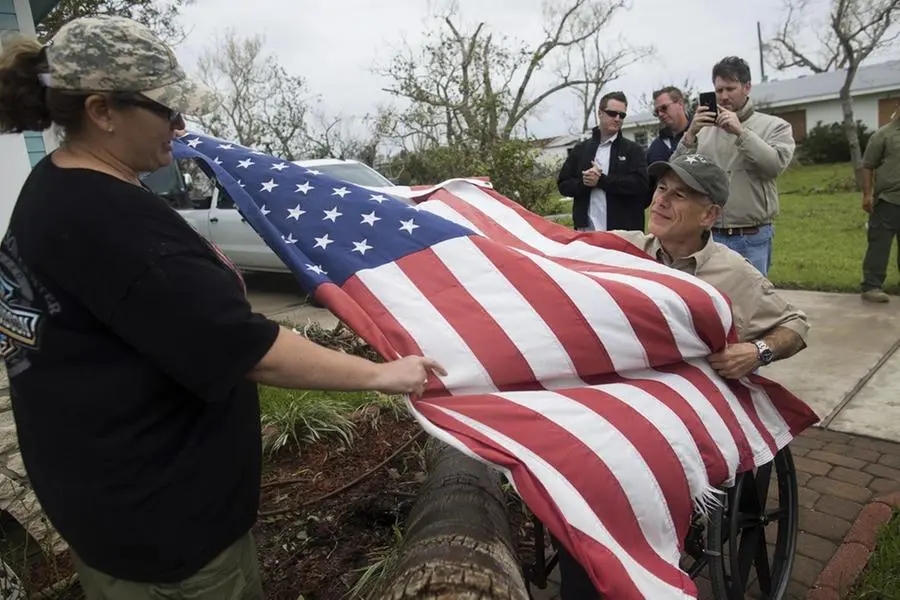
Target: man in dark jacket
{"points": [[606, 175], [669, 107]]}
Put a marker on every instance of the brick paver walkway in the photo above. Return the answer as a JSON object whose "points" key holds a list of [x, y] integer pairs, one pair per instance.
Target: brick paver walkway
{"points": [[837, 474]]}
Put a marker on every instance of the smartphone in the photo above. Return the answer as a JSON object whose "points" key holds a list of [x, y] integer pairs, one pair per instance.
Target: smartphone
{"points": [[708, 99]]}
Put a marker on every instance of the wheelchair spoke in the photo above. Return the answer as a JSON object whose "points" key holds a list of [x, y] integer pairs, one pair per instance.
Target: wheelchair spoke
{"points": [[763, 478], [761, 562], [773, 516], [746, 556]]}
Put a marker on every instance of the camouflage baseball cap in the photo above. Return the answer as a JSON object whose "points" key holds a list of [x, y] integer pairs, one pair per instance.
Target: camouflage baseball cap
{"points": [[115, 54], [697, 172]]}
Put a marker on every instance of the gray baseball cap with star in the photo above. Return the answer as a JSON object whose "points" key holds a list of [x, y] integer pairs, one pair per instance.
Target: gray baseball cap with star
{"points": [[115, 54], [698, 172]]}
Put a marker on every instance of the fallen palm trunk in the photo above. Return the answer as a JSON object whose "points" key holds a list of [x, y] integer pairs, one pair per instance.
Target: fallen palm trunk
{"points": [[457, 542]]}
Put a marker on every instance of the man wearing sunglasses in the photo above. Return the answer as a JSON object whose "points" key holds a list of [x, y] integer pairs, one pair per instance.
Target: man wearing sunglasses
{"points": [[606, 175], [669, 108]]}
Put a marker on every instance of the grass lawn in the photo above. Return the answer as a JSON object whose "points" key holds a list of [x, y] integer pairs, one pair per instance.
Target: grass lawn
{"points": [[820, 234], [881, 578]]}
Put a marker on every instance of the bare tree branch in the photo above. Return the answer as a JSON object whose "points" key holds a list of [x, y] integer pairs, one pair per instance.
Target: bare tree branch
{"points": [[854, 30], [261, 105], [601, 68], [478, 86]]}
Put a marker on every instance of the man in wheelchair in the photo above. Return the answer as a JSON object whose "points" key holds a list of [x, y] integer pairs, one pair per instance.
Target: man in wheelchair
{"points": [[690, 193]]}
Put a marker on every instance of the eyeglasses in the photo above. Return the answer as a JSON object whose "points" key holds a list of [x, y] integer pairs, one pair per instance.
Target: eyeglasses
{"points": [[661, 109], [173, 117], [614, 113]]}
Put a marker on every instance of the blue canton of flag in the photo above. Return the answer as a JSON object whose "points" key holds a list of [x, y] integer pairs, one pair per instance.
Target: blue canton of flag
{"points": [[310, 219]]}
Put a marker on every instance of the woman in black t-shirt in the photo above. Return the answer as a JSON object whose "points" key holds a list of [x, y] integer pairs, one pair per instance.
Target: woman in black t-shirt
{"points": [[132, 351]]}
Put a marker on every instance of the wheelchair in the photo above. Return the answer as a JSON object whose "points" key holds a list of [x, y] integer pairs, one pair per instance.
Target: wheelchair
{"points": [[746, 546]]}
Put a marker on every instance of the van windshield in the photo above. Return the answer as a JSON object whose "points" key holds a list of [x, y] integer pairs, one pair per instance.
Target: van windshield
{"points": [[356, 173], [165, 182]]}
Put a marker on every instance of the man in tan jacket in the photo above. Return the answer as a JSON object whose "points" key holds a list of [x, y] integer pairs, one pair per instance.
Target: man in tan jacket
{"points": [[753, 149]]}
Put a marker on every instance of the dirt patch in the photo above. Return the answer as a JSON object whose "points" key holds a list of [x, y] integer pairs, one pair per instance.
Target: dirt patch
{"points": [[319, 551]]}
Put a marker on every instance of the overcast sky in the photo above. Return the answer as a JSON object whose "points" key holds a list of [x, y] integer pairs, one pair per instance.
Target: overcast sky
{"points": [[336, 44]]}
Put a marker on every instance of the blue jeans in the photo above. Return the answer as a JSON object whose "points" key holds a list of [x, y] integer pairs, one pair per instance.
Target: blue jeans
{"points": [[756, 248]]}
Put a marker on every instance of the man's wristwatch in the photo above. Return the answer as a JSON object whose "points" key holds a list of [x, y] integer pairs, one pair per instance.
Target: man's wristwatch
{"points": [[765, 354]]}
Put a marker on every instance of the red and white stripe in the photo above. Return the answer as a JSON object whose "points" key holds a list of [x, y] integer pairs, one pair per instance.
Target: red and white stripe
{"points": [[576, 366]]}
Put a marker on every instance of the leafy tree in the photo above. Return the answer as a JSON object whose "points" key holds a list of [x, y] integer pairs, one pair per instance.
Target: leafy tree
{"points": [[828, 143], [160, 16]]}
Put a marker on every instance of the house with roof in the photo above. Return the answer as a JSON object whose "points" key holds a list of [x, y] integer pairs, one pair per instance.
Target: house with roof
{"points": [[810, 99], [552, 152], [20, 152]]}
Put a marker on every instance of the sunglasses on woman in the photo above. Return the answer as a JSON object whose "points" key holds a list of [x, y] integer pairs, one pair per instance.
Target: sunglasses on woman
{"points": [[173, 117]]}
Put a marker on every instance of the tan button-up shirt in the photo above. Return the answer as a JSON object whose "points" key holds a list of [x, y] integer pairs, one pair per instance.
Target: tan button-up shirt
{"points": [[757, 307]]}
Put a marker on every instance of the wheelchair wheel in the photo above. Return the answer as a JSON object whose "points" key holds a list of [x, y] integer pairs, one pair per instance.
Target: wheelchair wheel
{"points": [[752, 539]]}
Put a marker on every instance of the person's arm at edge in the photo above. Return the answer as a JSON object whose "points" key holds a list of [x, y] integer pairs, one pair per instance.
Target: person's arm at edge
{"points": [[295, 362], [872, 159]]}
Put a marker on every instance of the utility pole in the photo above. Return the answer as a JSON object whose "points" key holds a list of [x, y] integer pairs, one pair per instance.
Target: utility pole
{"points": [[762, 61]]}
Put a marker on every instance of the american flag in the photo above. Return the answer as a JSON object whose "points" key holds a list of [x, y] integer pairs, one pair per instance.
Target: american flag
{"points": [[576, 364]]}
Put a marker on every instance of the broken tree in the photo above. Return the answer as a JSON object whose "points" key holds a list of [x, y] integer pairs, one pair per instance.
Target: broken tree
{"points": [[457, 542]]}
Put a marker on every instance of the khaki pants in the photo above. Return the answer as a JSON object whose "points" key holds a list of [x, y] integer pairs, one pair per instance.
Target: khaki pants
{"points": [[233, 575]]}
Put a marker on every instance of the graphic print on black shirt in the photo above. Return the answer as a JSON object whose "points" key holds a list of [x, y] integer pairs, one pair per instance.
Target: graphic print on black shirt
{"points": [[20, 314]]}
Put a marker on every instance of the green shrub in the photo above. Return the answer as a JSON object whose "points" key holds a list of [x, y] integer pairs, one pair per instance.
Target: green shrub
{"points": [[511, 166], [828, 143]]}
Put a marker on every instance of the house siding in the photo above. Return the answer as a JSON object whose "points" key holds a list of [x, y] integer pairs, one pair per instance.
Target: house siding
{"points": [[8, 19], [34, 144], [865, 109]]}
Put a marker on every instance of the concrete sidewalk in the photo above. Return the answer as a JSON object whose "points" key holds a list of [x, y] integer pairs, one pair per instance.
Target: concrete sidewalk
{"points": [[850, 376], [849, 373]]}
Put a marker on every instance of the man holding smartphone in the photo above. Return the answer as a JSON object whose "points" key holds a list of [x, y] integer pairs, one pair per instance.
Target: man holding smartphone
{"points": [[753, 149]]}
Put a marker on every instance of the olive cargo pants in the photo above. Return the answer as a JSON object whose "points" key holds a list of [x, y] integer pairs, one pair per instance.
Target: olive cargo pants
{"points": [[884, 227], [232, 575]]}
